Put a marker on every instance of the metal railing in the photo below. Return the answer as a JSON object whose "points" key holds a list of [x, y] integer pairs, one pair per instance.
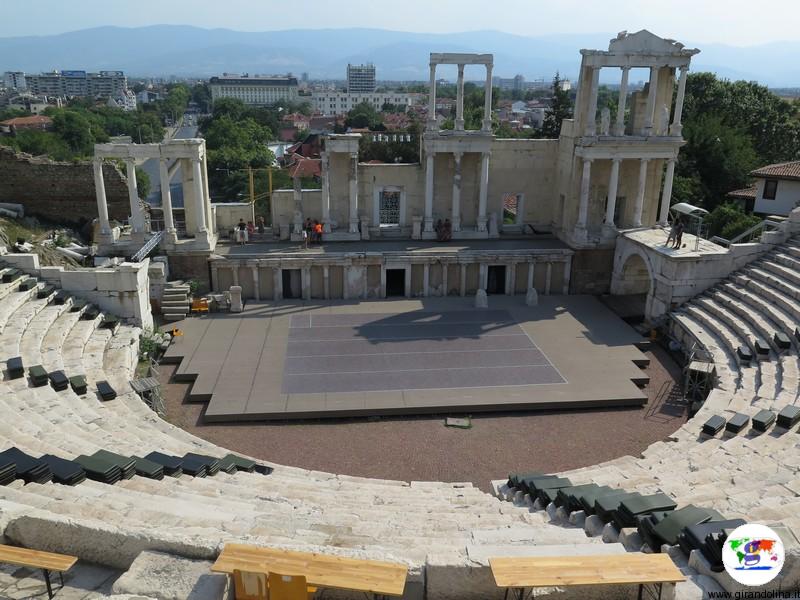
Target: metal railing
{"points": [[148, 246], [748, 236]]}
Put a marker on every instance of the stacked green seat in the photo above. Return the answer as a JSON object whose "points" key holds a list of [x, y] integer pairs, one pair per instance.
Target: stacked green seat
{"points": [[91, 313], [232, 463], [28, 284], [126, 464], [78, 304], [587, 498], [569, 497], [106, 391], [789, 416], [15, 368], [58, 380], [11, 275], [148, 468], [737, 422], [630, 508], [763, 419], [100, 469], [515, 479], [782, 340], [78, 384], [664, 527], [38, 376], [606, 506], [46, 291], [713, 426], [110, 321], [61, 297]]}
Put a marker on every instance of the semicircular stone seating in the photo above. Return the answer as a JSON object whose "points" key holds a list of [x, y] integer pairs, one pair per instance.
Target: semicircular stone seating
{"points": [[440, 530], [444, 532], [754, 476]]}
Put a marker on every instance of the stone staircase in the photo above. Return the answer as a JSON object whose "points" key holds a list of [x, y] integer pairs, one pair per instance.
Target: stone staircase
{"points": [[175, 303]]}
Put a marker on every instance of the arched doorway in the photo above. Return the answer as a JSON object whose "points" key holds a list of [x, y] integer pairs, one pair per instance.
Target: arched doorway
{"points": [[632, 288]]}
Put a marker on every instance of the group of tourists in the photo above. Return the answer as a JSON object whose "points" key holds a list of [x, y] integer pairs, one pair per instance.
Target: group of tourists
{"points": [[675, 234], [312, 232], [244, 230], [444, 231]]}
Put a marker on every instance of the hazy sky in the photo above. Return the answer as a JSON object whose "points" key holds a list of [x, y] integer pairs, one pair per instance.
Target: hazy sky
{"points": [[734, 22]]}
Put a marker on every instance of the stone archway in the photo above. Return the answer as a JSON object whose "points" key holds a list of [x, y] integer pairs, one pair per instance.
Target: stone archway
{"points": [[633, 284]]}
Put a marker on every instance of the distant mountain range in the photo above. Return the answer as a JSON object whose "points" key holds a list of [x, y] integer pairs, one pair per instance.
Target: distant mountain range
{"points": [[163, 50]]}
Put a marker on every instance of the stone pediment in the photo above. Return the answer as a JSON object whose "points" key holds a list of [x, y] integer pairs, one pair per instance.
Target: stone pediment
{"points": [[644, 42]]}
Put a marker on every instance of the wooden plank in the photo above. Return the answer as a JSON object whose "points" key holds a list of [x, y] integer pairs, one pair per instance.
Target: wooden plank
{"points": [[551, 571], [36, 559], [320, 570]]}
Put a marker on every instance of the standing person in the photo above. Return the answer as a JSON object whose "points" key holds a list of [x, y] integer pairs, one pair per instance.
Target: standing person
{"points": [[318, 231], [251, 229], [305, 238], [241, 232], [678, 235], [439, 229], [309, 227], [672, 231], [261, 224], [448, 231]]}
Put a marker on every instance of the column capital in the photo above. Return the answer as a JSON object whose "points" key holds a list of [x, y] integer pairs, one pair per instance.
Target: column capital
{"points": [[458, 155], [645, 160], [626, 68], [616, 159], [587, 159]]}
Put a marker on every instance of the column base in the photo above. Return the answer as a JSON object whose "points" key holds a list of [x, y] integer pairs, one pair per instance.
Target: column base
{"points": [[459, 125], [482, 220], [456, 223], [326, 226], [170, 236], [353, 226], [487, 125], [609, 231], [676, 129], [580, 234], [428, 224]]}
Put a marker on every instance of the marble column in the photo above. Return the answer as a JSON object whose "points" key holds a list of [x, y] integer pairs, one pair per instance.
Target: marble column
{"points": [[548, 278], [354, 193], [137, 218], [407, 280], [235, 274], [639, 206], [383, 281], [432, 99], [619, 126], [511, 278], [100, 194], [326, 193], [256, 283], [428, 222], [677, 128], [483, 191], [166, 200], [326, 282], [583, 206], [487, 100], [277, 284], [567, 271], [215, 277], [426, 279], [613, 184], [462, 280], [459, 124], [650, 109], [197, 184], [666, 195], [305, 283], [212, 226], [591, 112], [531, 273], [483, 276], [444, 279], [456, 219]]}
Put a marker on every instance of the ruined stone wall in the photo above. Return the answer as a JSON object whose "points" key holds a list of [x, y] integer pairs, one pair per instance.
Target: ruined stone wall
{"points": [[59, 191]]}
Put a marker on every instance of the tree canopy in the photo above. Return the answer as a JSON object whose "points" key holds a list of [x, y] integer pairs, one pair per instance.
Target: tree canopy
{"points": [[560, 108]]}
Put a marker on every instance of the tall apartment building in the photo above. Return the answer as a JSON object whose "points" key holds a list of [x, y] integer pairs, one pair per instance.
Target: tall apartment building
{"points": [[14, 80], [339, 103], [360, 79], [79, 83], [254, 91]]}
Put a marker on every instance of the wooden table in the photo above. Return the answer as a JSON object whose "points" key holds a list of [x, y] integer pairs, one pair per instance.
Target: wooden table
{"points": [[320, 570], [36, 559], [563, 571]]}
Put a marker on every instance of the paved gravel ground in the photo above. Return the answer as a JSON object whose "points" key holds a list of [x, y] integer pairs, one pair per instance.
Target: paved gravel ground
{"points": [[422, 448]]}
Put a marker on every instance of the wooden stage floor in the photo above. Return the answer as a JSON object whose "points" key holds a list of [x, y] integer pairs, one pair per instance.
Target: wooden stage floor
{"points": [[295, 360]]}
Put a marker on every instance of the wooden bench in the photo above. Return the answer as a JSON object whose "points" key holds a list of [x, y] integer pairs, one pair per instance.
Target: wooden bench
{"points": [[320, 570], [36, 559], [633, 568]]}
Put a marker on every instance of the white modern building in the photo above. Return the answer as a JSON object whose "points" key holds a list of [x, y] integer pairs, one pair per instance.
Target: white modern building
{"points": [[78, 83], [361, 78], [125, 101], [14, 80], [339, 103], [256, 90]]}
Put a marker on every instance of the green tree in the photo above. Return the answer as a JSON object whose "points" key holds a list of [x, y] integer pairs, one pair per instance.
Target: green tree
{"points": [[75, 130], [729, 220], [363, 116], [201, 95], [143, 185], [560, 108]]}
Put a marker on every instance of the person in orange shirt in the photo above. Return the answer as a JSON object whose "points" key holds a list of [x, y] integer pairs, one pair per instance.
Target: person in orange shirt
{"points": [[318, 232]]}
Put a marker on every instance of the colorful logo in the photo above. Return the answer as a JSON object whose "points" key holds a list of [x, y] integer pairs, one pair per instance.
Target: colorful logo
{"points": [[753, 554]]}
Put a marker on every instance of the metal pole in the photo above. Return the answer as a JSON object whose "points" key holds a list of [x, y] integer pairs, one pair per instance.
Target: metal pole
{"points": [[252, 190]]}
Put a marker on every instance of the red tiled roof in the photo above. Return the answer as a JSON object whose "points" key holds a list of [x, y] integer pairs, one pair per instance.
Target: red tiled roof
{"points": [[27, 121], [787, 170], [306, 167], [748, 193]]}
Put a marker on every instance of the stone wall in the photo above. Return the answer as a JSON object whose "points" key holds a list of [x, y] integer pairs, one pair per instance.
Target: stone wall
{"points": [[59, 191]]}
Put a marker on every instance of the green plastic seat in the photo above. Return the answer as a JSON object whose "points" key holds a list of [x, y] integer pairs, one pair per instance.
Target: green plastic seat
{"points": [[78, 384], [38, 375]]}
